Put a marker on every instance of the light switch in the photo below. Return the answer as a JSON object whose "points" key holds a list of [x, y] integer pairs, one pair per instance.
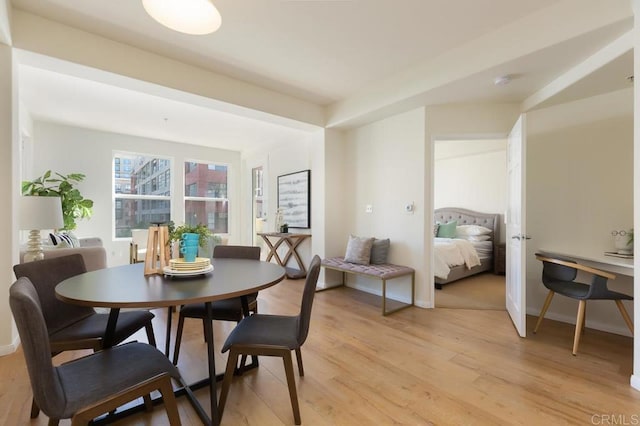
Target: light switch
{"points": [[408, 207]]}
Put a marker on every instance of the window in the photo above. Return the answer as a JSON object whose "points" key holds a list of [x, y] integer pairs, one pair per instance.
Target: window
{"points": [[141, 188], [206, 197]]}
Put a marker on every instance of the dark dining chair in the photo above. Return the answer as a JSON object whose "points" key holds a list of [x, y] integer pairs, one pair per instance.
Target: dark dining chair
{"points": [[72, 327], [87, 387], [273, 335], [559, 276], [223, 310]]}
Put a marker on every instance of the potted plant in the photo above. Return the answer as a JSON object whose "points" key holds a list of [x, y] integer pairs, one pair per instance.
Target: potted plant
{"points": [[74, 205], [175, 233]]}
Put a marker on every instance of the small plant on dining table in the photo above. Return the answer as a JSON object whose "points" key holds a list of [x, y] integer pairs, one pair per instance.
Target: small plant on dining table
{"points": [[175, 232]]}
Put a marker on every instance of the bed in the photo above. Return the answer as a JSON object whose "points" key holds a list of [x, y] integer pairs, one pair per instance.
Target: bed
{"points": [[485, 250]]}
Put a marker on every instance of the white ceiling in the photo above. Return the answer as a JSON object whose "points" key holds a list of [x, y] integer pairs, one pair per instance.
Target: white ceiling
{"points": [[321, 51]]}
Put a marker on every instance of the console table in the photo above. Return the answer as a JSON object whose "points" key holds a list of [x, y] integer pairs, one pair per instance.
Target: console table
{"points": [[292, 241]]}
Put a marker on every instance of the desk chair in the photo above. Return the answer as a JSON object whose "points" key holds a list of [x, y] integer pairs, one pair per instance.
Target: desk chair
{"points": [[93, 385], [72, 327], [559, 274], [273, 335], [223, 310]]}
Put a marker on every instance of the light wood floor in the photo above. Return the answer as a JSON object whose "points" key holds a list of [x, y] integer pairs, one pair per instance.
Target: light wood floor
{"points": [[481, 291], [414, 367]]}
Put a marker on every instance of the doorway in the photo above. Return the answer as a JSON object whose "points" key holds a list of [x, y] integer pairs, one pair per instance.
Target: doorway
{"points": [[471, 174], [258, 212]]}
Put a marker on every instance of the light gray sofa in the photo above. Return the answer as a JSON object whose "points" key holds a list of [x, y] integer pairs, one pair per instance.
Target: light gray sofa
{"points": [[91, 249]]}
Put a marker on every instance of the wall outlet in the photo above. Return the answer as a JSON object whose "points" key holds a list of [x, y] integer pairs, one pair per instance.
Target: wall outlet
{"points": [[409, 208], [368, 208]]}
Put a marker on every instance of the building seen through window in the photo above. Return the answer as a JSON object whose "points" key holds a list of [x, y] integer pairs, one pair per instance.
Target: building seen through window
{"points": [[206, 198], [142, 188]]}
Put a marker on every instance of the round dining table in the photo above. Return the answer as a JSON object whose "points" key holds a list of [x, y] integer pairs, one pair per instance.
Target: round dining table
{"points": [[126, 286]]}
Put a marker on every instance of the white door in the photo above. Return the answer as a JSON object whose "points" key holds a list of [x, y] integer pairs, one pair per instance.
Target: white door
{"points": [[515, 235]]}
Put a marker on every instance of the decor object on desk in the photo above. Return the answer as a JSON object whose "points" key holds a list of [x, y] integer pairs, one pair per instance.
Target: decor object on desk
{"points": [[279, 220], [74, 205], [284, 229], [37, 213], [623, 241], [294, 198]]}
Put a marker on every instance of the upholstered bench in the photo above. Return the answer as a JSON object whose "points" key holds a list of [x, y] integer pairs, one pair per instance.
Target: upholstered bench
{"points": [[383, 272]]}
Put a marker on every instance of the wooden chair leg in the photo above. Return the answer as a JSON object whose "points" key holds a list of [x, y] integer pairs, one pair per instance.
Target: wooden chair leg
{"points": [[299, 359], [625, 315], [151, 337], [148, 404], [176, 348], [288, 368], [547, 302], [579, 322], [232, 361], [167, 333], [170, 404], [53, 422], [35, 410]]}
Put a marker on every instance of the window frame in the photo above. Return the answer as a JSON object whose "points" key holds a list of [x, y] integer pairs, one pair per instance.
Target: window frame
{"points": [[115, 196], [205, 198]]}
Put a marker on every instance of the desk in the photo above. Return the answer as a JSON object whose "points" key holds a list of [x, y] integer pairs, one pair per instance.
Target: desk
{"points": [[127, 287], [595, 260], [292, 241]]}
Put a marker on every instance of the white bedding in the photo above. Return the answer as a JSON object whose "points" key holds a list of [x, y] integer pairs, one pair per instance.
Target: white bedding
{"points": [[450, 252]]}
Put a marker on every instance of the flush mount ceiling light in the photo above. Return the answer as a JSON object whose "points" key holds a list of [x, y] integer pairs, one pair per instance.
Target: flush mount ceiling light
{"points": [[195, 17], [502, 80]]}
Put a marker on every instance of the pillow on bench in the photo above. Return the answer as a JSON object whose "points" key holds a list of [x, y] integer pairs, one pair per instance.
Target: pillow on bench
{"points": [[365, 251], [380, 251], [358, 250]]}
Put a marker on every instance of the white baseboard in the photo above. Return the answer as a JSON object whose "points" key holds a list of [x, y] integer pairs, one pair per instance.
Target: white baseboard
{"points": [[571, 319], [635, 381], [378, 292], [9, 349]]}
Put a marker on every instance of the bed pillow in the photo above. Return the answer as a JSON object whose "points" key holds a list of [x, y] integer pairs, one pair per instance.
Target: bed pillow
{"points": [[358, 250], [466, 230], [475, 238], [379, 251], [447, 230]]}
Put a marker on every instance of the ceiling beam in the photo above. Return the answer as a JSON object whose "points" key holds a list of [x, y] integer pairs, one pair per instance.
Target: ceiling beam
{"points": [[153, 72], [547, 27], [620, 46]]}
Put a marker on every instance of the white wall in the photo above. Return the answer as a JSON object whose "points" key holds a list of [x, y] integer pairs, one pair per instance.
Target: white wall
{"points": [[9, 166], [68, 149], [579, 189], [385, 168], [471, 174], [288, 157]]}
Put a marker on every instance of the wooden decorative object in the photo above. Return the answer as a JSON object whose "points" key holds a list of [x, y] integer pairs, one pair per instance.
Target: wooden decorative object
{"points": [[157, 256]]}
